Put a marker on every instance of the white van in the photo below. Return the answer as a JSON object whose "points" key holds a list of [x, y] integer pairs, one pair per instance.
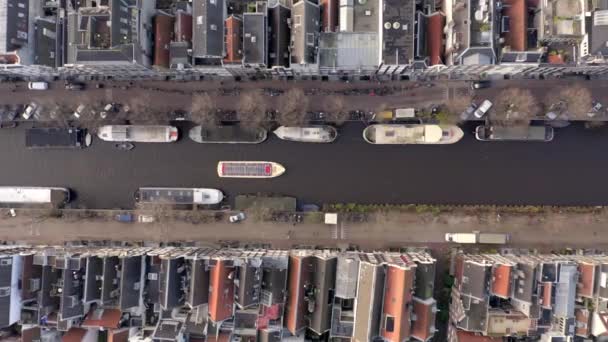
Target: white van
{"points": [[483, 108], [38, 86]]}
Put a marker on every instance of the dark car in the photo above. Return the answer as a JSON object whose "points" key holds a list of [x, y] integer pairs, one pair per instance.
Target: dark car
{"points": [[480, 85], [7, 116], [74, 86]]}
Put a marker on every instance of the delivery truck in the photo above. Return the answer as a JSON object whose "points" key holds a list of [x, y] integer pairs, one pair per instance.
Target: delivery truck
{"points": [[477, 237]]}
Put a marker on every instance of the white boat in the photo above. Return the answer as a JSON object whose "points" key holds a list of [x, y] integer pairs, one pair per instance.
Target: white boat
{"points": [[249, 169], [179, 196], [138, 133], [312, 134], [34, 195], [396, 134]]}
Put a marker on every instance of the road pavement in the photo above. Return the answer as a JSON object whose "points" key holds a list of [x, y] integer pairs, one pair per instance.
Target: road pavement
{"points": [[568, 171]]}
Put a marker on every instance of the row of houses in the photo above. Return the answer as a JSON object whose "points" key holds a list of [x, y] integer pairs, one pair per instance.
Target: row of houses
{"points": [[385, 36], [543, 297], [85, 293]]}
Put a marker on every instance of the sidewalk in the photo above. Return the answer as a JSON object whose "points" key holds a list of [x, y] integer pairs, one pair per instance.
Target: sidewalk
{"points": [[394, 230]]}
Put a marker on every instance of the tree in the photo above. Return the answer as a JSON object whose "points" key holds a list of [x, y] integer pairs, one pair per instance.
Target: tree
{"points": [[141, 111], [292, 107], [252, 110], [576, 101], [515, 107], [336, 110], [203, 110]]}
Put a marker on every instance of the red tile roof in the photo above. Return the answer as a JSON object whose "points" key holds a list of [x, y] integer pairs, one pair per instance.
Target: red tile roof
{"points": [[424, 325], [102, 318], [121, 335], [583, 318], [547, 291], [221, 291], [183, 27], [464, 336], [234, 39], [517, 12], [397, 295], [586, 280], [434, 38], [501, 281], [330, 11], [162, 38], [74, 335], [296, 306]]}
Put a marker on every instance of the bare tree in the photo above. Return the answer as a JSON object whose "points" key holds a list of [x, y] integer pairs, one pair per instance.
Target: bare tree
{"points": [[336, 110], [292, 107], [252, 110], [515, 107], [577, 101], [203, 110]]}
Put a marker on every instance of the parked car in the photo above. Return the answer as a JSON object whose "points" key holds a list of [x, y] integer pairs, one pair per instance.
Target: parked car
{"points": [[74, 86], [79, 110], [29, 110], [125, 217], [597, 107], [109, 108], [483, 108], [480, 85], [146, 219], [468, 112], [237, 217], [38, 86]]}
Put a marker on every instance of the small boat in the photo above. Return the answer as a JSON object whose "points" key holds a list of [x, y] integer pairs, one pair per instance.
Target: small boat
{"points": [[398, 134], [227, 135], [311, 134], [124, 146], [249, 169]]}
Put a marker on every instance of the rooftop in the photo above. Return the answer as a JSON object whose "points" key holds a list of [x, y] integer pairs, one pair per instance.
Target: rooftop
{"points": [[255, 42], [348, 50], [398, 31]]}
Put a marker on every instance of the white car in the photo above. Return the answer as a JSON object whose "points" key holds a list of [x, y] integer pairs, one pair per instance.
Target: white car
{"points": [[79, 110], [237, 218], [29, 110], [483, 108], [146, 219], [38, 86]]}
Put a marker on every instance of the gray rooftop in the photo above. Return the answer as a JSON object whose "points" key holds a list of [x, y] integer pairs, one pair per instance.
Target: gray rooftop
{"points": [[565, 290], [255, 40], [425, 280], [324, 280], [247, 285], [476, 314], [171, 272], [274, 282], [366, 15], [14, 20], [199, 283], [130, 274], [110, 283], [208, 28], [523, 283], [48, 44], [347, 271], [348, 50], [475, 280], [71, 295], [93, 279], [599, 33], [398, 32], [369, 301], [279, 35], [6, 268], [306, 26], [167, 330]]}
